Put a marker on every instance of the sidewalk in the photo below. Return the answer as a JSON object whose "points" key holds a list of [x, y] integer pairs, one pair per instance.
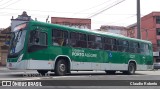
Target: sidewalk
{"points": [[3, 68]]}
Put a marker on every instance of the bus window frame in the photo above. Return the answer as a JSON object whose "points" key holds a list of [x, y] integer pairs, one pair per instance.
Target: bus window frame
{"points": [[64, 39], [78, 39], [36, 47]]}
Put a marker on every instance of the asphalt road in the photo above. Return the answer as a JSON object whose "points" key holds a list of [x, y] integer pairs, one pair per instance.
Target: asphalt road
{"points": [[30, 75]]}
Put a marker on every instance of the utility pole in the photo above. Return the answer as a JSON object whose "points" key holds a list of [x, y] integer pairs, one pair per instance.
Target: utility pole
{"points": [[47, 19], [138, 20]]}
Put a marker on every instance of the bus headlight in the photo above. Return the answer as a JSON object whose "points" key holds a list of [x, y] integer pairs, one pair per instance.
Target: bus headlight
{"points": [[20, 58]]}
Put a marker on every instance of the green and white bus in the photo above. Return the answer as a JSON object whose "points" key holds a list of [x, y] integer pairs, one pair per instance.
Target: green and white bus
{"points": [[51, 47]]}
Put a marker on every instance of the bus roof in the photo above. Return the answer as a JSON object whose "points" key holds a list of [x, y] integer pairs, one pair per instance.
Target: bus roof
{"points": [[112, 35]]}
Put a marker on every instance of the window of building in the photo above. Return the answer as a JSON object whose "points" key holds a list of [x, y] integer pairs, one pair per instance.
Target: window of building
{"points": [[158, 42], [59, 37], [158, 31], [158, 19]]}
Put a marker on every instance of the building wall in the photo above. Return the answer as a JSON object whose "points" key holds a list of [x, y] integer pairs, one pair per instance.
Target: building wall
{"points": [[4, 54], [72, 22], [148, 28], [132, 32], [3, 46], [114, 29]]}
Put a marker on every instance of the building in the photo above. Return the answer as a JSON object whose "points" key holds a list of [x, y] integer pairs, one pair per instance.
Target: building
{"points": [[132, 30], [20, 19], [4, 45], [72, 22], [150, 30], [114, 29]]}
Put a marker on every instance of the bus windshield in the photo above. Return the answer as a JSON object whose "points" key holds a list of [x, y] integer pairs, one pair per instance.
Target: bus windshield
{"points": [[17, 39]]}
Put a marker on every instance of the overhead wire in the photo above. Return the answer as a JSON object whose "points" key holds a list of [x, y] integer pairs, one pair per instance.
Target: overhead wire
{"points": [[10, 4], [5, 2], [101, 11], [92, 7]]}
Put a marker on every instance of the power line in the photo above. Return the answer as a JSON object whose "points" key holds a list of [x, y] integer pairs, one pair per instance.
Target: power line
{"points": [[105, 9], [10, 4], [5, 2], [92, 7], [56, 11], [123, 19]]}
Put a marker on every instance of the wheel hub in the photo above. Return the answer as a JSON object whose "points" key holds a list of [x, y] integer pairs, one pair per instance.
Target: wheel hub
{"points": [[62, 67]]}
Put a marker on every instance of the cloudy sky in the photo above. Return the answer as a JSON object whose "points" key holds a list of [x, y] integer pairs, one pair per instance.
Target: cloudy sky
{"points": [[122, 14]]}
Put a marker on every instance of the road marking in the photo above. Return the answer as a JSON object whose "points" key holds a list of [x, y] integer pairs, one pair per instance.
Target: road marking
{"points": [[32, 78]]}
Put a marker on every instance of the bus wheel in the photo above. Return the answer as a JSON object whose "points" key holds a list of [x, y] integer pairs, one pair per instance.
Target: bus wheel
{"points": [[110, 72], [61, 67], [42, 72], [131, 69]]}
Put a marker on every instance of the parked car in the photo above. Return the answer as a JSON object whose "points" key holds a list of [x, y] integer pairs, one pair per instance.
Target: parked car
{"points": [[156, 65]]}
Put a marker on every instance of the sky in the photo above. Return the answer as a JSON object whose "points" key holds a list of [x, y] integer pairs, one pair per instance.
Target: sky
{"points": [[122, 14]]}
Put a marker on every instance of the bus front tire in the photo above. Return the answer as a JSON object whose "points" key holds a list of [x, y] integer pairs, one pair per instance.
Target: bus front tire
{"points": [[42, 72], [61, 67], [131, 69]]}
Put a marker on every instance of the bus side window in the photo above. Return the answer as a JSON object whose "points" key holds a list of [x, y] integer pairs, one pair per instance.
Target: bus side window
{"points": [[131, 48], [78, 40], [114, 44], [107, 43], [144, 49], [82, 42], [125, 46], [98, 42], [59, 37], [120, 45], [91, 41], [38, 38], [33, 36], [73, 39], [43, 38], [134, 47]]}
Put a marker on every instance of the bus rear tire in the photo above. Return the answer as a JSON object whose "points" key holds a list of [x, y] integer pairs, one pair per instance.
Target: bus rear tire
{"points": [[61, 68], [42, 72], [131, 69]]}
